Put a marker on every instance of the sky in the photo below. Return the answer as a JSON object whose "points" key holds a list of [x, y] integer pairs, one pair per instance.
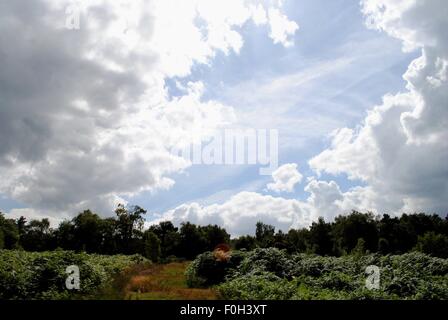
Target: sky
{"points": [[95, 95]]}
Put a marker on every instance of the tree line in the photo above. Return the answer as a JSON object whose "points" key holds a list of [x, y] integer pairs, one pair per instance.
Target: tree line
{"points": [[125, 234]]}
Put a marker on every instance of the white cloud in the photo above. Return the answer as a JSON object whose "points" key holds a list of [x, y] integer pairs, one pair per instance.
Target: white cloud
{"points": [[282, 29], [285, 178], [85, 116], [400, 150], [241, 212]]}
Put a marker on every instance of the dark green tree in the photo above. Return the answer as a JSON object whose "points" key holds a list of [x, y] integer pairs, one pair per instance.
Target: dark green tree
{"points": [[346, 231], [298, 241], [264, 234], [434, 244], [38, 236], [215, 235], [87, 230], [245, 242], [169, 237], [130, 223], [151, 246], [9, 233], [320, 237], [192, 240]]}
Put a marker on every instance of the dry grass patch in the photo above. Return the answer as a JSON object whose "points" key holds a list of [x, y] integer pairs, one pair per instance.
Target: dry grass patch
{"points": [[165, 282]]}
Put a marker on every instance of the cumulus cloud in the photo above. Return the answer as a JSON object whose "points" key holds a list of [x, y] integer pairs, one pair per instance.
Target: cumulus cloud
{"points": [[285, 178], [85, 116], [400, 149], [240, 213]]}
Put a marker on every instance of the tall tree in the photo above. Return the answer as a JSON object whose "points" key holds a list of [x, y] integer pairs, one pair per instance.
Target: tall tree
{"points": [[87, 230], [320, 237], [38, 236], [347, 230], [129, 226], [151, 246], [264, 234], [9, 233]]}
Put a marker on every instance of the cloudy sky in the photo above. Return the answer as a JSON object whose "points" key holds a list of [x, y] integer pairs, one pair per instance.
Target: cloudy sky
{"points": [[90, 113]]}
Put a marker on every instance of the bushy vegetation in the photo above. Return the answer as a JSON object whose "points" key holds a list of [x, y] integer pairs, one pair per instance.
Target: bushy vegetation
{"points": [[124, 234], [357, 233], [274, 274], [325, 261], [208, 269], [42, 275]]}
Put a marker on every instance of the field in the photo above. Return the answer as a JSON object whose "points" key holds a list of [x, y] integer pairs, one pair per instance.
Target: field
{"points": [[272, 274], [42, 276], [165, 282], [264, 274], [32, 275]]}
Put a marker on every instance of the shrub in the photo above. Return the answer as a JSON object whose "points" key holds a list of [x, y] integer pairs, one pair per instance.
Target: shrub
{"points": [[433, 244], [32, 275], [207, 270], [273, 274]]}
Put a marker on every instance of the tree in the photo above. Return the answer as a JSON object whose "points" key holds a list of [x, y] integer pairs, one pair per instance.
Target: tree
{"points": [[192, 240], [110, 236], [360, 247], [151, 245], [169, 237], [264, 234], [65, 235], [433, 244], [87, 230], [245, 242], [9, 233], [320, 237], [215, 235], [38, 236], [383, 246], [280, 240], [129, 227], [298, 240], [346, 231]]}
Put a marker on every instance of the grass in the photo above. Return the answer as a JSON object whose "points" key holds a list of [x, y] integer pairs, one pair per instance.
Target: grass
{"points": [[164, 282]]}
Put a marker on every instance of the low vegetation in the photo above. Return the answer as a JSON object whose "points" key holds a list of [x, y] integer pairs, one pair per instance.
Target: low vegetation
{"points": [[165, 282], [274, 274], [42, 275], [325, 261]]}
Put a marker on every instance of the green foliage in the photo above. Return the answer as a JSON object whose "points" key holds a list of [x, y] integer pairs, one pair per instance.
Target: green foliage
{"points": [[264, 234], [320, 237], [263, 260], [433, 244], [32, 275], [347, 230], [208, 270], [9, 233], [275, 274], [263, 286], [151, 246], [245, 242]]}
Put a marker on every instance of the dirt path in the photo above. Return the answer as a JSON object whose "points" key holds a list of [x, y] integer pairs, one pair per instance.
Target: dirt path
{"points": [[165, 282]]}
